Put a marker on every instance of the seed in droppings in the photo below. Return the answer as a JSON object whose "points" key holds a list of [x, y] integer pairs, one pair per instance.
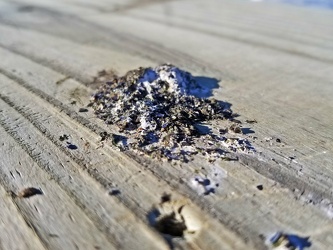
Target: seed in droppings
{"points": [[28, 192]]}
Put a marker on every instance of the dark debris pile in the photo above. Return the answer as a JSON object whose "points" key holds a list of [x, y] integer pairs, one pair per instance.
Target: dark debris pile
{"points": [[157, 110]]}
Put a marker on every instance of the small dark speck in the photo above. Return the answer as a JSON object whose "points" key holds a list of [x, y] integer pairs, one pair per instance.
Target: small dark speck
{"points": [[278, 140], [54, 235], [71, 146], [83, 110], [114, 192], [165, 197], [260, 187]]}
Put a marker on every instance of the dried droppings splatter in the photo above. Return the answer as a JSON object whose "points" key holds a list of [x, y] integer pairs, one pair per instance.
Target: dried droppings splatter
{"points": [[159, 114]]}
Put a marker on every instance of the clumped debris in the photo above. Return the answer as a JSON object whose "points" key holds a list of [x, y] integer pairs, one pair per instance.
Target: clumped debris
{"points": [[284, 241], [159, 113], [28, 192]]}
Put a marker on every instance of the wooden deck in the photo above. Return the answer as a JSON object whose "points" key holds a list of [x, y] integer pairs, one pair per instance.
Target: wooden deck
{"points": [[274, 63]]}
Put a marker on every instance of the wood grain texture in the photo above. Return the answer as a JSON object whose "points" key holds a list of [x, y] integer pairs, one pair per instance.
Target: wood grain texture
{"points": [[274, 65]]}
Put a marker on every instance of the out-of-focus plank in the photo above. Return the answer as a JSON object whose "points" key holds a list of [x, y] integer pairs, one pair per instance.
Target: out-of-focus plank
{"points": [[13, 226]]}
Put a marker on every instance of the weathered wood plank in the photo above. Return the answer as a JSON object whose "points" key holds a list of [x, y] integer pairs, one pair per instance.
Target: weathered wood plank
{"points": [[105, 166], [52, 215], [14, 227], [108, 215], [275, 67], [239, 189]]}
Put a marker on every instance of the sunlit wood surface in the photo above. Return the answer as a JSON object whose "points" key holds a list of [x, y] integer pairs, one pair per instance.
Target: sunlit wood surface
{"points": [[274, 65]]}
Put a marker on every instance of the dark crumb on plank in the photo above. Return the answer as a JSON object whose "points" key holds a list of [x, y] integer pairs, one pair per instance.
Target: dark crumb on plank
{"points": [[28, 192], [260, 187]]}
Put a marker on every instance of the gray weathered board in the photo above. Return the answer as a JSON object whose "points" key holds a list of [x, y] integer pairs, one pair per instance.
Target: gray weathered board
{"points": [[274, 63]]}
